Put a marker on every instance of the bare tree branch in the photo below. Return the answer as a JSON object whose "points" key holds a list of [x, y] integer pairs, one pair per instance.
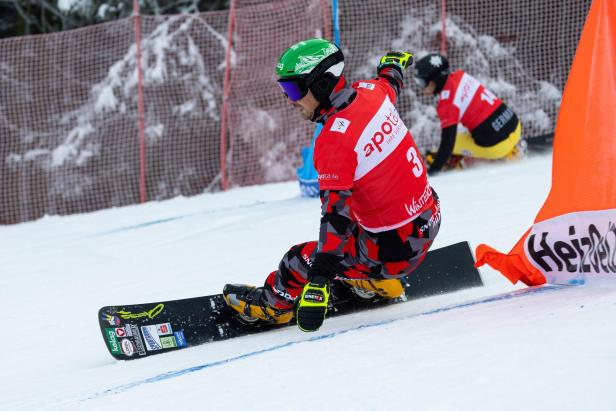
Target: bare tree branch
{"points": [[25, 16], [66, 20], [156, 7], [188, 6]]}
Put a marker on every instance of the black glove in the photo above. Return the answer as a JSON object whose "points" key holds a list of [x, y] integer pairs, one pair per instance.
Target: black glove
{"points": [[399, 60], [311, 305], [324, 265]]}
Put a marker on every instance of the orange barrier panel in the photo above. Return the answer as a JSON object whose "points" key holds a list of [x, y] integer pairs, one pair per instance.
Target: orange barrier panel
{"points": [[574, 233]]}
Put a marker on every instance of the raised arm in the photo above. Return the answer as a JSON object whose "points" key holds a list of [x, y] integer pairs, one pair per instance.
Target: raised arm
{"points": [[392, 67]]}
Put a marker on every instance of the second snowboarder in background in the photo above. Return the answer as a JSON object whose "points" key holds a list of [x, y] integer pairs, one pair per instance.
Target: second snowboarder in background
{"points": [[489, 130]]}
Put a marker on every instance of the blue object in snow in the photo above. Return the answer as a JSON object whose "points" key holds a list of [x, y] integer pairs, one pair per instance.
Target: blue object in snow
{"points": [[307, 174]]}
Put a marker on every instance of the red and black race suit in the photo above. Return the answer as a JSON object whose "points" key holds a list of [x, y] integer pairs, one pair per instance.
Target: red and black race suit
{"points": [[464, 100], [379, 214]]}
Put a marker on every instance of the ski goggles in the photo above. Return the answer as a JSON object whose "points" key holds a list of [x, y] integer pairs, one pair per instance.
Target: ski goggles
{"points": [[294, 89], [421, 82]]}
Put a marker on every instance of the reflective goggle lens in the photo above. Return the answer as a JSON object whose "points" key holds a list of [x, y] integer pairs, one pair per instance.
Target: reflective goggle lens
{"points": [[293, 89], [420, 82]]}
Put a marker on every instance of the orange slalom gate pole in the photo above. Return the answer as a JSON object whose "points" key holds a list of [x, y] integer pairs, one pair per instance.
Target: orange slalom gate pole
{"points": [[574, 233]]}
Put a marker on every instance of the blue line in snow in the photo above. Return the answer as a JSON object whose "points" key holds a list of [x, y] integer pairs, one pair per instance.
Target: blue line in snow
{"points": [[146, 224], [177, 373]]}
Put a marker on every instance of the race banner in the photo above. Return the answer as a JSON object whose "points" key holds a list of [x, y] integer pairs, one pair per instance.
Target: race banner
{"points": [[567, 248]]}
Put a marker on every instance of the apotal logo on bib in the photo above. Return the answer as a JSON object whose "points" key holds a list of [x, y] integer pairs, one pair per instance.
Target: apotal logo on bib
{"points": [[379, 138], [388, 129]]}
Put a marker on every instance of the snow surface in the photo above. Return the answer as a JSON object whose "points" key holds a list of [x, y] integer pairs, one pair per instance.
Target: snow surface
{"points": [[549, 351]]}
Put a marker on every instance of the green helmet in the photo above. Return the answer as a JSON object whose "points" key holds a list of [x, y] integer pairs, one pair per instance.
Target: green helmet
{"points": [[301, 58], [314, 64]]}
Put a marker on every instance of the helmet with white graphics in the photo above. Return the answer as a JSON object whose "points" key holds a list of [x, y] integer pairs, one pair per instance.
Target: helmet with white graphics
{"points": [[432, 67], [313, 64]]}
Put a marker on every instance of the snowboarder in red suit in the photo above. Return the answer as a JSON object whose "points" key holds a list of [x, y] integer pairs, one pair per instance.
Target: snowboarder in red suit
{"points": [[379, 215], [491, 130]]}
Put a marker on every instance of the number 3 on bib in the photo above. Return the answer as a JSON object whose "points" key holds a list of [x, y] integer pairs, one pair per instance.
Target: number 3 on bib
{"points": [[415, 161]]}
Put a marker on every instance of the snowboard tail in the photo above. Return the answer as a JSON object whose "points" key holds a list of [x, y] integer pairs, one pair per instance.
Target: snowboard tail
{"points": [[140, 330]]}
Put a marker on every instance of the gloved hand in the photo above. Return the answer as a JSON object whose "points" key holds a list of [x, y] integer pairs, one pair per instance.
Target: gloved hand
{"points": [[429, 157], [399, 60], [311, 305]]}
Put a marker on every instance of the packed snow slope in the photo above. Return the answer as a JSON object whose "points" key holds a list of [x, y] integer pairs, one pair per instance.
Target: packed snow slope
{"points": [[554, 350]]}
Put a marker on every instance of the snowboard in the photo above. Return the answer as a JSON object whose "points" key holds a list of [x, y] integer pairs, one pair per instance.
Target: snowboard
{"points": [[140, 330]]}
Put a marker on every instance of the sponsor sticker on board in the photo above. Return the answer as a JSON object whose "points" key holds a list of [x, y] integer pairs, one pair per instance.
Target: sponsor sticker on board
{"points": [[151, 338], [127, 347], [134, 330], [112, 319], [164, 329], [180, 339], [112, 340], [168, 342]]}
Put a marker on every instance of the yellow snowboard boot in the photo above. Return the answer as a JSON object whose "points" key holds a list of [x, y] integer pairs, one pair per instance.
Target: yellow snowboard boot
{"points": [[518, 151], [250, 304]]}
